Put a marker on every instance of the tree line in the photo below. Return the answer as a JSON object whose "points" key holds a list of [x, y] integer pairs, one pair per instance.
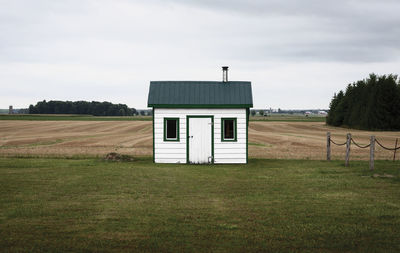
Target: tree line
{"points": [[369, 104], [81, 107]]}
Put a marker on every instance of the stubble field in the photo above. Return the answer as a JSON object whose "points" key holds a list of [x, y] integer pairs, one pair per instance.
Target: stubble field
{"points": [[275, 140]]}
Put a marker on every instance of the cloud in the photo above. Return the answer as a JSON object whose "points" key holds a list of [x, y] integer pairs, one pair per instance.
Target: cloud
{"points": [[96, 50], [311, 30]]}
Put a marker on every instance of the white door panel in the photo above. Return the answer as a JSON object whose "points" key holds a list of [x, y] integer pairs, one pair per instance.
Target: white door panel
{"points": [[199, 138]]}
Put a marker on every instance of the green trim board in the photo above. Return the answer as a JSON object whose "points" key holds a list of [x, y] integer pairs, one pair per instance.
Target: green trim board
{"points": [[234, 130], [177, 130], [247, 134], [187, 134], [154, 148], [210, 106]]}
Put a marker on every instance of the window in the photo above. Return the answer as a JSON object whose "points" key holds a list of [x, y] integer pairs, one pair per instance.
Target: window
{"points": [[171, 129], [228, 132]]}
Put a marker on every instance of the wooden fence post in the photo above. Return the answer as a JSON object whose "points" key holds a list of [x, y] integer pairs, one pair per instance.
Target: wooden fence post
{"points": [[348, 142], [372, 153], [328, 146], [395, 149]]}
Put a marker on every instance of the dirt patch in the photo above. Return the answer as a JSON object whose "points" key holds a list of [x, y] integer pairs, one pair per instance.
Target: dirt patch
{"points": [[115, 157]]}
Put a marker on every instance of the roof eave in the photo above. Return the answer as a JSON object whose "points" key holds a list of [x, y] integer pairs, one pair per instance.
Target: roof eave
{"points": [[200, 105]]}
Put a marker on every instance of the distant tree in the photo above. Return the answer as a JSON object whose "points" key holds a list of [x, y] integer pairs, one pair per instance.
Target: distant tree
{"points": [[80, 107], [32, 109], [372, 103], [253, 112]]}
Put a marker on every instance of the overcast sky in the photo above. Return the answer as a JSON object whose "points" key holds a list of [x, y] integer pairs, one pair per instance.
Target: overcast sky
{"points": [[295, 53]]}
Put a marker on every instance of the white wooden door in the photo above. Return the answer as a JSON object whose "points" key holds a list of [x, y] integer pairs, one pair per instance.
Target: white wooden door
{"points": [[200, 140]]}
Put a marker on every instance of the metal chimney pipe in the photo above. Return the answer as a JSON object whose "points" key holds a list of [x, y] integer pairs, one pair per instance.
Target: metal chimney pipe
{"points": [[225, 74]]}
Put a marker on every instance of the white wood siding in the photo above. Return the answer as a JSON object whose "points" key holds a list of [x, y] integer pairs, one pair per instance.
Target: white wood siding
{"points": [[175, 152]]}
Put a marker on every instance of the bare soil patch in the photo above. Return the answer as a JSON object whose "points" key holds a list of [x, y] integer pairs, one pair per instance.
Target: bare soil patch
{"points": [[291, 140], [115, 157]]}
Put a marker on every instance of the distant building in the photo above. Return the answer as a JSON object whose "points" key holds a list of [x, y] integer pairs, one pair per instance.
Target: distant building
{"points": [[10, 110], [200, 121]]}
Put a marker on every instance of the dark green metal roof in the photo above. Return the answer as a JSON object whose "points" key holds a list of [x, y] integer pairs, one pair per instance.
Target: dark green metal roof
{"points": [[200, 94]]}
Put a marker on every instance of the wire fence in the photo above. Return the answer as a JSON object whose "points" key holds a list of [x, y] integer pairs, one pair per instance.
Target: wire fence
{"points": [[350, 140]]}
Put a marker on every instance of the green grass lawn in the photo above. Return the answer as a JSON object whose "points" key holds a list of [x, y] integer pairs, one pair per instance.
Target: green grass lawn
{"points": [[267, 205], [71, 117]]}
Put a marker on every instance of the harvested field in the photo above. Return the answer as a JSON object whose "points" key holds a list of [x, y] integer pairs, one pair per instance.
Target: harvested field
{"points": [[289, 140], [307, 140], [69, 138]]}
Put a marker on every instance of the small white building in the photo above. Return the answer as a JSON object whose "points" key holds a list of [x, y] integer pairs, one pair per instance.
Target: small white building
{"points": [[200, 121]]}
